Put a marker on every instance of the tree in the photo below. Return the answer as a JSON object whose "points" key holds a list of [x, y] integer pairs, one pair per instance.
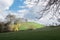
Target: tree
{"points": [[48, 7], [10, 17], [10, 22], [53, 6], [1, 26]]}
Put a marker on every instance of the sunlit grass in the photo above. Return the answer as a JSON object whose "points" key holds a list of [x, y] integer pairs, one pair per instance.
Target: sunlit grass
{"points": [[53, 34], [32, 25]]}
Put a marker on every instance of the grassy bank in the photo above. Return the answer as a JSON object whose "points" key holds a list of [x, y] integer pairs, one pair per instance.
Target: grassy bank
{"points": [[30, 25], [53, 34]]}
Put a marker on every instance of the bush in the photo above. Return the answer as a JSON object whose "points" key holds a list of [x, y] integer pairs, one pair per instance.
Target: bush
{"points": [[14, 27]]}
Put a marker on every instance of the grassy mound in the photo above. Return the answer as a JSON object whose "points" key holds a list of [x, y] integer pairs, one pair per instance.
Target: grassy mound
{"points": [[30, 25]]}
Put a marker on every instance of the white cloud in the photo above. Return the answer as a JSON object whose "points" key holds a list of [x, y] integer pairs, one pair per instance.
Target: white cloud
{"points": [[21, 13], [23, 10], [47, 15], [5, 4], [22, 6], [30, 3], [3, 14]]}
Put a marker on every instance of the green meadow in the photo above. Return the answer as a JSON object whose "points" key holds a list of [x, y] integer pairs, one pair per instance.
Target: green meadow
{"points": [[30, 25], [46, 33]]}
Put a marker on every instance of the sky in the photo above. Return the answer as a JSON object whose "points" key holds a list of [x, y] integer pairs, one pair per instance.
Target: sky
{"points": [[29, 9], [21, 5], [17, 5]]}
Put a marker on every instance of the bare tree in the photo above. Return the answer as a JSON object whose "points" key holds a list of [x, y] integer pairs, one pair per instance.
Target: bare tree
{"points": [[53, 5], [10, 21], [51, 8], [10, 17]]}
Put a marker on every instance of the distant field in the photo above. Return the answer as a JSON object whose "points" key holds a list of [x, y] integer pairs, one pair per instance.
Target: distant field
{"points": [[39, 34], [31, 25]]}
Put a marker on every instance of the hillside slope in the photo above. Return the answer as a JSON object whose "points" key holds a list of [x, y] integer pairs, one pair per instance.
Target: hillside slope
{"points": [[32, 35], [30, 25]]}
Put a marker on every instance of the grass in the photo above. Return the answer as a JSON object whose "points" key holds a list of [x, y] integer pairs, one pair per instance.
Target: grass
{"points": [[32, 25], [41, 33], [47, 34]]}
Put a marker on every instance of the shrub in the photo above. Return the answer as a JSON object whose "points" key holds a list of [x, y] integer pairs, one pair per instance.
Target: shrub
{"points": [[14, 27]]}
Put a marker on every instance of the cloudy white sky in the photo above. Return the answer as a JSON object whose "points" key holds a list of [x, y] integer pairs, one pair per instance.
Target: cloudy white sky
{"points": [[29, 9], [21, 7]]}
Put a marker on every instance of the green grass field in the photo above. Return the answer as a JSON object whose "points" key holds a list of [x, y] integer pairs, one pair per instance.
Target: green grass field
{"points": [[32, 25], [41, 33], [38, 34]]}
